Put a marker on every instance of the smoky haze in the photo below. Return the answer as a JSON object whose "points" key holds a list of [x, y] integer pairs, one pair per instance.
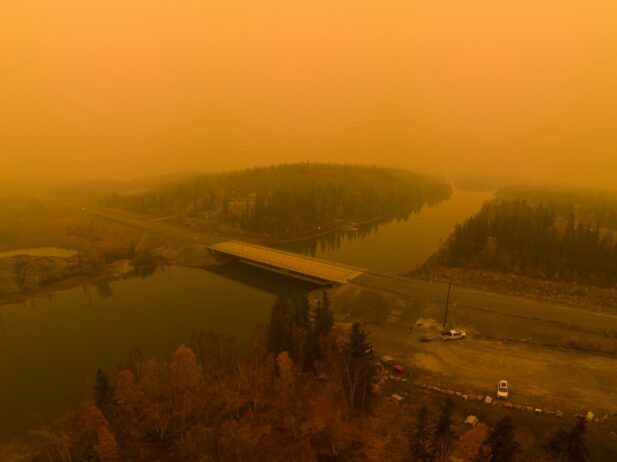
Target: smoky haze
{"points": [[139, 87]]}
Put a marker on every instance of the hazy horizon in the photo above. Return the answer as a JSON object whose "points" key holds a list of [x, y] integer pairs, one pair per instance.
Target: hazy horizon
{"points": [[134, 89]]}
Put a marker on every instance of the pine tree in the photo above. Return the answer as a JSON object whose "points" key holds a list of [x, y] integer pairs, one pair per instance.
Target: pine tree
{"points": [[280, 327], [301, 309], [443, 435], [289, 324], [419, 439], [358, 374], [310, 351], [501, 441], [324, 317], [569, 446], [357, 345], [103, 391]]}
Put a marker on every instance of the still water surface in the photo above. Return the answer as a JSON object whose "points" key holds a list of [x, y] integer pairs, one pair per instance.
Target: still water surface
{"points": [[50, 348], [397, 246]]}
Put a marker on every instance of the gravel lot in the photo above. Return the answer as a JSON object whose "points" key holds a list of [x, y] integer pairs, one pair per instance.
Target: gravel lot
{"points": [[540, 377]]}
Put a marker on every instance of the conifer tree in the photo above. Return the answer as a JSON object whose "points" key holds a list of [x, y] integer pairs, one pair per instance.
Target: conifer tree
{"points": [[501, 441], [443, 435], [324, 317], [310, 351], [103, 391], [358, 374], [569, 446], [419, 439], [301, 309], [280, 327]]}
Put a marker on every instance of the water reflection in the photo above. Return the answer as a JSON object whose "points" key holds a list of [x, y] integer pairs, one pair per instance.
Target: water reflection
{"points": [[259, 278], [51, 347], [398, 244], [336, 239]]}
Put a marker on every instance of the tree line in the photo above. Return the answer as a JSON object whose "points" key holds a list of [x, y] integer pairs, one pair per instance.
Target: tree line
{"points": [[592, 207], [288, 200], [537, 239]]}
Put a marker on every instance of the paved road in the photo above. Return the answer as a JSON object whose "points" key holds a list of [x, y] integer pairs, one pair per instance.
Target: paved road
{"points": [[464, 297], [135, 221], [489, 301]]}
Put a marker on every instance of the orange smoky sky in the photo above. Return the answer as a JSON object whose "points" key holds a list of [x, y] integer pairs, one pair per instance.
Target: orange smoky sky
{"points": [[124, 88]]}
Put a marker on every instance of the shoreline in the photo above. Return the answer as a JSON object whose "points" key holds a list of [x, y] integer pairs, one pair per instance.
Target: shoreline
{"points": [[112, 272]]}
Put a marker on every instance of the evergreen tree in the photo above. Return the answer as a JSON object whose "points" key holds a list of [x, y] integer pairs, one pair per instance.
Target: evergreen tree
{"points": [[103, 391], [419, 450], [301, 309], [358, 374], [310, 351], [324, 317], [569, 446], [280, 327], [357, 344], [501, 441], [289, 324], [443, 435]]}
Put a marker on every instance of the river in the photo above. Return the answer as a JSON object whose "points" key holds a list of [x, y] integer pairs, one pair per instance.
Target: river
{"points": [[50, 348]]}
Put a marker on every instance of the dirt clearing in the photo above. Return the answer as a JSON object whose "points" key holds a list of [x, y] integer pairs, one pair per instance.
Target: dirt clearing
{"points": [[540, 377]]}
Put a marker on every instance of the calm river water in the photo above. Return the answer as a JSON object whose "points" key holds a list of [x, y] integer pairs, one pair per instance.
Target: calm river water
{"points": [[50, 348]]}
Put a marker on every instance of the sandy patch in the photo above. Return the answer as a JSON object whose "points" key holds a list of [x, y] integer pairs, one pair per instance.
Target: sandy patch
{"points": [[428, 362], [41, 252]]}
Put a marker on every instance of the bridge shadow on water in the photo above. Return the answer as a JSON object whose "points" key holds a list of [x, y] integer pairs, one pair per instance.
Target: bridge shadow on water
{"points": [[261, 279]]}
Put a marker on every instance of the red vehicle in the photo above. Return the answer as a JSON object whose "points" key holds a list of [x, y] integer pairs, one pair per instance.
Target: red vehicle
{"points": [[398, 368]]}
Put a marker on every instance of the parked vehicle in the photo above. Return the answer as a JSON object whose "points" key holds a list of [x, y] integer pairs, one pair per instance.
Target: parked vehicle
{"points": [[502, 389], [453, 334], [398, 369]]}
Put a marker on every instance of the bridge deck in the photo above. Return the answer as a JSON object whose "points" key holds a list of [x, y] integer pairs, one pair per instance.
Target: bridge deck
{"points": [[292, 263]]}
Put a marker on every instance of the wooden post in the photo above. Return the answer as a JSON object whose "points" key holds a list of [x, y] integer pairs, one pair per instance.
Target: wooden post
{"points": [[445, 319]]}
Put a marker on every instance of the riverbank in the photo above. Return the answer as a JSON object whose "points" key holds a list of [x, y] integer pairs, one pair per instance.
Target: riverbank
{"points": [[109, 272], [26, 277]]}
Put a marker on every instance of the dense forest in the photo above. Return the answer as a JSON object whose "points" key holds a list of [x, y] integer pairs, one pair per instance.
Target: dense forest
{"points": [[590, 207], [274, 399], [549, 234], [287, 200]]}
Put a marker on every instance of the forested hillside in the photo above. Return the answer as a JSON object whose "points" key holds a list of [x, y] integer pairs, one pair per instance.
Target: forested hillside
{"points": [[564, 236], [287, 200], [589, 207]]}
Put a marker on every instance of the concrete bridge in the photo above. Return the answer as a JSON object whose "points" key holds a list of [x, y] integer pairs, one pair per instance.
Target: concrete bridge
{"points": [[291, 264]]}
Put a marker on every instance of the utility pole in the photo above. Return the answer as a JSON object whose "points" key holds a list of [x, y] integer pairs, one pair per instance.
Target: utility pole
{"points": [[445, 319]]}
